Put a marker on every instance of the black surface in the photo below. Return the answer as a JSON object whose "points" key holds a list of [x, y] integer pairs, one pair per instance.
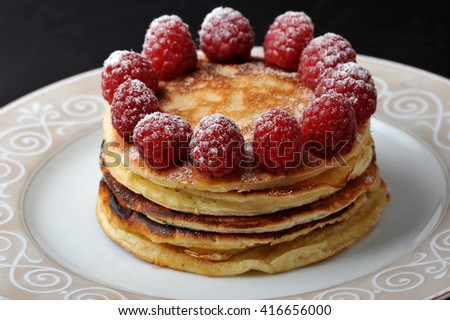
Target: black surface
{"points": [[46, 41]]}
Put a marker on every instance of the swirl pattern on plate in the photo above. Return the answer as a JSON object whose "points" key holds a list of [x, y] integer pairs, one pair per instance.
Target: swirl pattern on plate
{"points": [[33, 130]]}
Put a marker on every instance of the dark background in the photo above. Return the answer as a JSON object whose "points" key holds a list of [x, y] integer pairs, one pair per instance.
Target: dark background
{"points": [[46, 41]]}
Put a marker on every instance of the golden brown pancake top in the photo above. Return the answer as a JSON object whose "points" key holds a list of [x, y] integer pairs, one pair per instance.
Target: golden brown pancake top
{"points": [[242, 92]]}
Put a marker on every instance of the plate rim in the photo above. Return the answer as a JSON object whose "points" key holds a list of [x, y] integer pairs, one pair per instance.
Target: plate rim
{"points": [[95, 72]]}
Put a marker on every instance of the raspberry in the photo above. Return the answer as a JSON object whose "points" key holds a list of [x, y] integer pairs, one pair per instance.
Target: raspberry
{"points": [[277, 140], [226, 35], [169, 47], [216, 146], [132, 101], [356, 84], [321, 54], [123, 65], [328, 126], [286, 38], [162, 139]]}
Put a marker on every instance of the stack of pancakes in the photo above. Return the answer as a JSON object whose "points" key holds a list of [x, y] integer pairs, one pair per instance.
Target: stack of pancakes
{"points": [[251, 220]]}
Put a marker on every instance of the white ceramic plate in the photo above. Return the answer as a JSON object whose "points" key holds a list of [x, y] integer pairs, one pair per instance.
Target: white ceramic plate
{"points": [[51, 246]]}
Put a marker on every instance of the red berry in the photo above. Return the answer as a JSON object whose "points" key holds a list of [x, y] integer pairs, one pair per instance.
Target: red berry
{"points": [[356, 84], [169, 47], [226, 35], [132, 101], [277, 140], [328, 126], [286, 38], [216, 145], [123, 65], [321, 54], [162, 139]]}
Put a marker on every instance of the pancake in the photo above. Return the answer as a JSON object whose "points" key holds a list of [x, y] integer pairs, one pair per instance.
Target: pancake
{"points": [[244, 224], [164, 233], [251, 219], [313, 247], [249, 203], [242, 92]]}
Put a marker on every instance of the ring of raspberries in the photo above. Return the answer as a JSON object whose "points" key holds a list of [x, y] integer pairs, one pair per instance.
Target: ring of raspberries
{"points": [[345, 94]]}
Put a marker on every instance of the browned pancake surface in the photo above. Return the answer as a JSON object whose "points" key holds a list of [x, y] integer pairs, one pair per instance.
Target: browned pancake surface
{"points": [[163, 233], [242, 92], [313, 247], [244, 224]]}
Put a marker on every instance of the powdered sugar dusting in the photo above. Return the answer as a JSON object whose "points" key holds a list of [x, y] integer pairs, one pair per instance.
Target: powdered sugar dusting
{"points": [[369, 179], [226, 35], [216, 145], [355, 70], [280, 192], [136, 89], [162, 139], [322, 53], [264, 69], [182, 174], [286, 39], [169, 124], [217, 119], [132, 101], [134, 93], [250, 176], [122, 65], [114, 58], [168, 21], [356, 84], [169, 47], [294, 15], [220, 14], [133, 153]]}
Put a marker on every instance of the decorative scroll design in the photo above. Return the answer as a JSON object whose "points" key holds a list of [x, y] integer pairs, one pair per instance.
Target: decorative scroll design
{"points": [[37, 124], [26, 273], [412, 275], [417, 106], [94, 293], [33, 133], [346, 293]]}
